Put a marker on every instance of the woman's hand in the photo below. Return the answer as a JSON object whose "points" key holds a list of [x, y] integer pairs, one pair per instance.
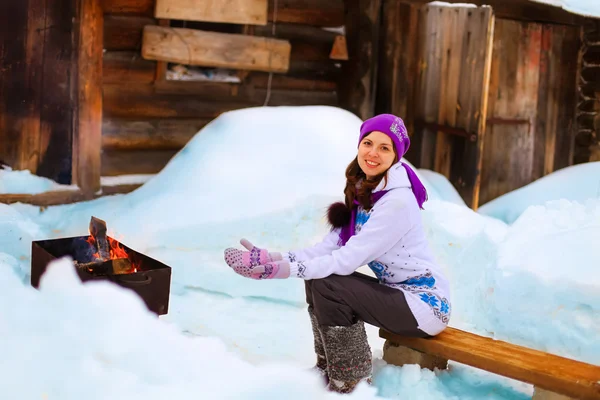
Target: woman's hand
{"points": [[246, 263]]}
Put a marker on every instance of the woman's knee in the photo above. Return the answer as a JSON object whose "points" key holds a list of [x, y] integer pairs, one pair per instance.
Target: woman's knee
{"points": [[326, 284]]}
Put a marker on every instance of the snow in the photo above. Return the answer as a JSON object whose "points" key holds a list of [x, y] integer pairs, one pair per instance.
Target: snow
{"points": [[268, 174], [125, 179], [24, 182], [575, 183]]}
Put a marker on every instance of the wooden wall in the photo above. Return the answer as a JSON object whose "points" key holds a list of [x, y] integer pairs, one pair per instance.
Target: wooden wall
{"points": [[531, 112], [147, 119], [38, 60], [587, 144]]}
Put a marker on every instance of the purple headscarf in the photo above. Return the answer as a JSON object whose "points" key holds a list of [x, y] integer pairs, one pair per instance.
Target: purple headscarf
{"points": [[393, 127]]}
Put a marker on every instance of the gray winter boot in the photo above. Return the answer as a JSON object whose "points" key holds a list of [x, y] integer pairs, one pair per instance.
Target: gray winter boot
{"points": [[348, 356], [321, 365]]}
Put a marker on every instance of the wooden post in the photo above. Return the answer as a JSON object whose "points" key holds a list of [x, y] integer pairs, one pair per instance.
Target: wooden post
{"points": [[357, 85], [88, 132]]}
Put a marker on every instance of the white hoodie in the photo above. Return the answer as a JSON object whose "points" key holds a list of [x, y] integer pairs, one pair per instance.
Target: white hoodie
{"points": [[390, 239]]}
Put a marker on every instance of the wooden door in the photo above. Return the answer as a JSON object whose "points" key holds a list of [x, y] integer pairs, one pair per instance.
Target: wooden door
{"points": [[454, 58], [532, 102]]}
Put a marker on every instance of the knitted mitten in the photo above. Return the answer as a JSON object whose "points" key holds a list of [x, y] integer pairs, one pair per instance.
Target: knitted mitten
{"points": [[349, 358], [253, 257], [321, 365], [272, 270]]}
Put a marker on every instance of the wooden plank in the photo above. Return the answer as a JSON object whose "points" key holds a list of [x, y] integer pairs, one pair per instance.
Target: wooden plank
{"points": [[141, 7], [88, 134], [359, 74], [310, 12], [127, 67], [428, 84], [454, 23], [44, 199], [251, 12], [125, 32], [509, 148], [133, 162], [195, 47], [157, 134], [544, 370], [567, 43], [398, 62], [59, 197], [475, 74]]}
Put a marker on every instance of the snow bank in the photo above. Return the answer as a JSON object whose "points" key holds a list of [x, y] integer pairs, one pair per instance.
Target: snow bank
{"points": [[24, 182], [94, 341], [576, 183]]}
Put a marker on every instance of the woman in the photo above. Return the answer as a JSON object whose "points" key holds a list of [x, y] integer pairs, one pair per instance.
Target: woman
{"points": [[380, 225]]}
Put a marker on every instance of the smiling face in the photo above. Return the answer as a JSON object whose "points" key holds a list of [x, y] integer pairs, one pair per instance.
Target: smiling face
{"points": [[376, 154]]}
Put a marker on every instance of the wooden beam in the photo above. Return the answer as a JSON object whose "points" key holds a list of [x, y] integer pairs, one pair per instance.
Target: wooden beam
{"points": [[297, 32], [260, 80], [59, 197], [195, 47], [88, 133], [142, 101], [328, 13], [155, 134], [125, 32], [127, 67], [133, 162], [140, 7], [544, 370], [250, 12]]}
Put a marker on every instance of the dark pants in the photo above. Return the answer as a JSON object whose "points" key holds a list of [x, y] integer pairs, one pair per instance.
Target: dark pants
{"points": [[343, 300]]}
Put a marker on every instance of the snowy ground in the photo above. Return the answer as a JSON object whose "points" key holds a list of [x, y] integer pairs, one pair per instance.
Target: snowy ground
{"points": [[268, 174]]}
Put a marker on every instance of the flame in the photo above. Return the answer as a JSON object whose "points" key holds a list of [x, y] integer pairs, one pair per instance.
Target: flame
{"points": [[116, 251]]}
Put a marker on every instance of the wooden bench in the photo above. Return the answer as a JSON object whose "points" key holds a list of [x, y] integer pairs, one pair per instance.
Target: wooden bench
{"points": [[553, 377]]}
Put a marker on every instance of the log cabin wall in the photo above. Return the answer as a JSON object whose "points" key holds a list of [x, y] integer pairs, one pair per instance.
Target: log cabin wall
{"points": [[587, 144], [148, 118]]}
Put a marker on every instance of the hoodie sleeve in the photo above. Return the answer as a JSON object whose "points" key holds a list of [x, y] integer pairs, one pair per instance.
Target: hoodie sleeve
{"points": [[326, 246], [389, 222]]}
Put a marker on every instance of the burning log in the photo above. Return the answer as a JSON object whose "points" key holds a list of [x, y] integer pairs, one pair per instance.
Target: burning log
{"points": [[107, 259], [98, 232]]}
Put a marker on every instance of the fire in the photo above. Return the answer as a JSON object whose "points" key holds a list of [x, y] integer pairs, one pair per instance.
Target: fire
{"points": [[116, 251]]}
